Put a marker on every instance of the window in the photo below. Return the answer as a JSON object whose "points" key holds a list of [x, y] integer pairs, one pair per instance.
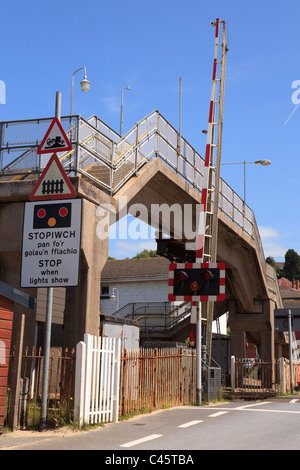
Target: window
{"points": [[104, 292]]}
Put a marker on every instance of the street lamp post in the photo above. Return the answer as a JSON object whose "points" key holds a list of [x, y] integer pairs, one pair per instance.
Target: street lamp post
{"points": [[121, 115], [257, 162], [114, 297], [85, 86]]}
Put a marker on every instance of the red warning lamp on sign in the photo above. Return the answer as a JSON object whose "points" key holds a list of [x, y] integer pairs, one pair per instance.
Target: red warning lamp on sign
{"points": [[52, 215]]}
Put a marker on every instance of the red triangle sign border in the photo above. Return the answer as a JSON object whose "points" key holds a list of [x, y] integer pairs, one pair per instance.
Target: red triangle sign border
{"points": [[68, 146], [70, 195]]}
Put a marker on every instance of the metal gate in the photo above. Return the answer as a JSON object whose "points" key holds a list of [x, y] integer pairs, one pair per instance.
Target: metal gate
{"points": [[254, 375]]}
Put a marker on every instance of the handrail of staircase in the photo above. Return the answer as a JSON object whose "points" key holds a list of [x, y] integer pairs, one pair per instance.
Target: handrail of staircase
{"points": [[147, 304], [170, 318], [164, 142]]}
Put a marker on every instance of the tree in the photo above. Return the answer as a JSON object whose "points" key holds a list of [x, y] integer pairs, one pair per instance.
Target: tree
{"points": [[147, 254], [291, 265]]}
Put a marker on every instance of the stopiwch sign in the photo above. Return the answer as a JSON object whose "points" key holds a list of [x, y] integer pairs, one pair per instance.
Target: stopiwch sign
{"points": [[51, 243]]}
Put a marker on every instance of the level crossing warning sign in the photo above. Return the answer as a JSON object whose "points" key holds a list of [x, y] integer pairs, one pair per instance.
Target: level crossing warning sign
{"points": [[55, 139], [53, 183], [51, 243]]}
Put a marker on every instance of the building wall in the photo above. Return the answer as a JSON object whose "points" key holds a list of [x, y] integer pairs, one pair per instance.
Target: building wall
{"points": [[58, 307], [143, 291], [129, 334], [134, 291], [6, 322]]}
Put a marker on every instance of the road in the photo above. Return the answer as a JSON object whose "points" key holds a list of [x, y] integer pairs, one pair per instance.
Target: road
{"points": [[254, 425]]}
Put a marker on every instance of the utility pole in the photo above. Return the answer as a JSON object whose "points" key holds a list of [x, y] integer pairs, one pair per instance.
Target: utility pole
{"points": [[291, 351]]}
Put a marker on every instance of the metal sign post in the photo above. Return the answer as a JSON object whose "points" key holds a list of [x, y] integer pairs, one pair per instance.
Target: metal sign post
{"points": [[288, 319], [290, 350], [51, 236], [48, 324]]}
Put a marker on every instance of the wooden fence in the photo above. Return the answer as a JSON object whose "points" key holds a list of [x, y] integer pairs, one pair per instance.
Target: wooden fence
{"points": [[153, 378], [286, 376]]}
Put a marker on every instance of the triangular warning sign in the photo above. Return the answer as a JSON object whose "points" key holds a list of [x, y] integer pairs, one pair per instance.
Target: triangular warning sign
{"points": [[55, 139], [53, 183]]}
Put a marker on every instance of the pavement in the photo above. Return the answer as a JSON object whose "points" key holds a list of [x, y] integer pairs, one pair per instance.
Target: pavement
{"points": [[19, 440]]}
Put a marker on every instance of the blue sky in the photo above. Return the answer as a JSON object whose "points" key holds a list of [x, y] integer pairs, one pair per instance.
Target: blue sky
{"points": [[148, 46]]}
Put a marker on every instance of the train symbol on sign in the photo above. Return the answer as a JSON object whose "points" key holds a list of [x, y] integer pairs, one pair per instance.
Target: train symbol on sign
{"points": [[53, 186], [53, 183]]}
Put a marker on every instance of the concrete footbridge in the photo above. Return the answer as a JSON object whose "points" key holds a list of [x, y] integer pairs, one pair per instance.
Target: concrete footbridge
{"points": [[153, 173]]}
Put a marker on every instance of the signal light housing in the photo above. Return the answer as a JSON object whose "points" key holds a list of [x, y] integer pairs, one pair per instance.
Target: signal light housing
{"points": [[194, 286], [197, 282], [207, 275], [182, 276]]}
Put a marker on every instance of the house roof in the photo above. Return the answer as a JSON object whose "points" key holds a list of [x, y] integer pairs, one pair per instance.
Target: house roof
{"points": [[290, 294], [284, 284], [136, 268], [287, 291]]}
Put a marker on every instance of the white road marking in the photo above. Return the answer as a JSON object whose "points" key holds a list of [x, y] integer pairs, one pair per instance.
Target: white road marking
{"points": [[218, 414], [243, 407], [140, 441], [247, 408], [294, 400], [190, 423]]}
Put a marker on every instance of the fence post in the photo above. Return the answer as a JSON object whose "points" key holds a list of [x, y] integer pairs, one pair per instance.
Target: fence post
{"points": [[232, 375], [154, 403], [88, 340], [282, 376], [79, 383], [117, 352]]}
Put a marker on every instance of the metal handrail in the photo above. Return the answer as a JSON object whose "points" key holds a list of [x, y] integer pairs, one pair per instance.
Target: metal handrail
{"points": [[151, 136]]}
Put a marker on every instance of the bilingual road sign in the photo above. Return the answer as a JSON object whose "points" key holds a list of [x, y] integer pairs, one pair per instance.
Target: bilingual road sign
{"points": [[51, 243], [53, 183], [55, 139], [281, 319]]}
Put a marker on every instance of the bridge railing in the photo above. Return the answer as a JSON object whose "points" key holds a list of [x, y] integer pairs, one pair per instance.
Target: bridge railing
{"points": [[109, 160]]}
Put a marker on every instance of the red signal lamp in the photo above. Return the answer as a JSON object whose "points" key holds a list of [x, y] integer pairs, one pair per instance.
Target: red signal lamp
{"points": [[182, 276], [207, 275]]}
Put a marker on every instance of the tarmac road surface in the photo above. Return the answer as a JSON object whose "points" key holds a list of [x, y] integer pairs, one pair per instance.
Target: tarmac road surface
{"points": [[271, 424]]}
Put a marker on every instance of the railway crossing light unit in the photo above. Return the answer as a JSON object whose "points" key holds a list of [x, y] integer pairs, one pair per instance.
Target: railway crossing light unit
{"points": [[197, 282]]}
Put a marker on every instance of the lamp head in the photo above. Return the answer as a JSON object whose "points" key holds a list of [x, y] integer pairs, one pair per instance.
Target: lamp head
{"points": [[85, 84], [263, 162]]}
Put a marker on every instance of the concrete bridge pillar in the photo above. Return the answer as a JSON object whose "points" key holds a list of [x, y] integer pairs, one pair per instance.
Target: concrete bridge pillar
{"points": [[259, 325], [82, 307]]}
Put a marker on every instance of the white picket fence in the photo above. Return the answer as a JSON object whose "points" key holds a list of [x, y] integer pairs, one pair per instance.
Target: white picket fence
{"points": [[97, 373]]}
